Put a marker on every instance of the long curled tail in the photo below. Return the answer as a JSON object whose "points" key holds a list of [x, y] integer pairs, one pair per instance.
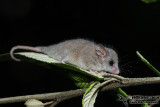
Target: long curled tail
{"points": [[35, 49]]}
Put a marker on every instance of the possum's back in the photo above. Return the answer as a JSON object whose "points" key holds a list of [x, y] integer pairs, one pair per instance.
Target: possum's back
{"points": [[70, 48]]}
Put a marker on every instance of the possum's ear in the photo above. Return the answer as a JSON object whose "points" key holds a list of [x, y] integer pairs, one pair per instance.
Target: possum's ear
{"points": [[101, 51]]}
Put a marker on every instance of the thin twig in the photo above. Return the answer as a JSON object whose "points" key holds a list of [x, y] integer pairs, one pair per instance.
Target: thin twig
{"points": [[126, 82], [54, 104], [46, 96], [148, 64]]}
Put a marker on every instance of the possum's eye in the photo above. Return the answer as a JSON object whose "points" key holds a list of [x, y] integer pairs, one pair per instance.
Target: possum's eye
{"points": [[111, 62]]}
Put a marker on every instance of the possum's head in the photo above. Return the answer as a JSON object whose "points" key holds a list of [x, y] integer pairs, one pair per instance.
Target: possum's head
{"points": [[109, 59]]}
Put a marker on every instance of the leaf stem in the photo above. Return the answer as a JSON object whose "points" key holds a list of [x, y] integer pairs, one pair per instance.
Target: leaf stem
{"points": [[148, 64]]}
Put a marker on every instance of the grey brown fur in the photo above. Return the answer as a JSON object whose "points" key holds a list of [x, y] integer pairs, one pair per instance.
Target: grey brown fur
{"points": [[80, 52]]}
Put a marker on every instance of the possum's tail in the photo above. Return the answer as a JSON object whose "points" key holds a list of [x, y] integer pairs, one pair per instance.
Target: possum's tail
{"points": [[35, 49]]}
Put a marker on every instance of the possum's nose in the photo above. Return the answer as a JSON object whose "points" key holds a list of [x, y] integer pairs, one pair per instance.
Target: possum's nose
{"points": [[115, 70]]}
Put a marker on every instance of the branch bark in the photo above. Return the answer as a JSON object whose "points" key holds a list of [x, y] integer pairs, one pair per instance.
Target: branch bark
{"points": [[60, 96]]}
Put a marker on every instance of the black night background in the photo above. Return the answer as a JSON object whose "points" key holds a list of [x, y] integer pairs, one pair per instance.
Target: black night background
{"points": [[126, 25]]}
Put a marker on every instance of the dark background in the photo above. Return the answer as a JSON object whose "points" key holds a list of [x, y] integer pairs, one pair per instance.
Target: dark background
{"points": [[126, 25]]}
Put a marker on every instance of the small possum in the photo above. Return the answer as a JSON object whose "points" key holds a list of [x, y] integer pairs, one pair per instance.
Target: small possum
{"points": [[80, 52]]}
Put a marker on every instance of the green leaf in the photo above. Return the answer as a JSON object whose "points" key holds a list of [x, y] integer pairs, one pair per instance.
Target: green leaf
{"points": [[149, 1], [90, 95], [119, 90], [33, 103], [5, 57], [82, 84], [73, 72], [144, 105]]}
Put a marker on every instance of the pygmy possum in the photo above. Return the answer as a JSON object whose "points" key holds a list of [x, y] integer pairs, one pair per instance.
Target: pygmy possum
{"points": [[83, 53]]}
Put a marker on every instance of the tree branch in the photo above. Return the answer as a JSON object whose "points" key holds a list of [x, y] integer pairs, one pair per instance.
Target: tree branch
{"points": [[60, 96]]}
